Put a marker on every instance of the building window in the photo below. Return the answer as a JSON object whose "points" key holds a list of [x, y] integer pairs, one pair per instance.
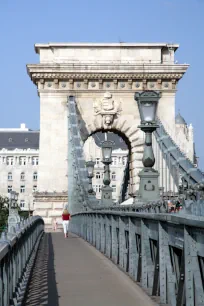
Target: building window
{"points": [[35, 161], [97, 188], [35, 176], [9, 160], [9, 188], [114, 188], [113, 176], [10, 176], [22, 203], [22, 188], [124, 161], [98, 175], [97, 161], [115, 160], [22, 160], [34, 188], [22, 176]]}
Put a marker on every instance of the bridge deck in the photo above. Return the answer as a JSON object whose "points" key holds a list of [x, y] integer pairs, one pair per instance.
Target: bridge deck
{"points": [[71, 272]]}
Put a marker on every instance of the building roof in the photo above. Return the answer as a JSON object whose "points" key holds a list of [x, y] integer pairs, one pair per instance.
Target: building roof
{"points": [[180, 120], [104, 45], [11, 140], [119, 143], [19, 139]]}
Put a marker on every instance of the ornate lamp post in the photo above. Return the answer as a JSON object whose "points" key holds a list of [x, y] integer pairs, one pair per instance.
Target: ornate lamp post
{"points": [[106, 197], [147, 103], [90, 168], [13, 217]]}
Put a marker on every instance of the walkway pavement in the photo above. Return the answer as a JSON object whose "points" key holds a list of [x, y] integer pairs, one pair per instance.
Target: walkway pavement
{"points": [[70, 272]]}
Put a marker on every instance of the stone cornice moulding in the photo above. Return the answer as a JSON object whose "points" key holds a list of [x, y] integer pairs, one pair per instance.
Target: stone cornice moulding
{"points": [[39, 77], [66, 92], [114, 69]]}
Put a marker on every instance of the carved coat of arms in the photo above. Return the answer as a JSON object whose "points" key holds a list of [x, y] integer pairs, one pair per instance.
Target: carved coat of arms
{"points": [[107, 108]]}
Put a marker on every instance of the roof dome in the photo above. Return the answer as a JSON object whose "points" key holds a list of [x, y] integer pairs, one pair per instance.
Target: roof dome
{"points": [[180, 120]]}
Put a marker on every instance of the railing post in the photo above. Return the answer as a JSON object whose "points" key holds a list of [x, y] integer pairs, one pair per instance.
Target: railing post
{"points": [[94, 229], [103, 238], [193, 280], [133, 256], [114, 239], [162, 265], [167, 277], [147, 265], [97, 231], [121, 242], [108, 237]]}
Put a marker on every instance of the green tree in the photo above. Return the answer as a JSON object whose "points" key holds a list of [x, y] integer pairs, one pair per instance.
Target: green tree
{"points": [[4, 211]]}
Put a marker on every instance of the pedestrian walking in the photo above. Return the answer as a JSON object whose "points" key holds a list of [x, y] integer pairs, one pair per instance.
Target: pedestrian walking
{"points": [[65, 222]]}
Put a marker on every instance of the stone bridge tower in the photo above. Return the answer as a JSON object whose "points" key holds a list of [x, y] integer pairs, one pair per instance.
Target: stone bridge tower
{"points": [[103, 78]]}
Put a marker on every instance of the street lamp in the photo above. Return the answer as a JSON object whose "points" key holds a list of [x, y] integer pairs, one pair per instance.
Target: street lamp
{"points": [[13, 217], [106, 197], [90, 168], [147, 103]]}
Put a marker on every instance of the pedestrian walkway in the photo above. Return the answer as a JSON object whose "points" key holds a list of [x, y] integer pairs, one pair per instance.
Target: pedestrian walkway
{"points": [[70, 272]]}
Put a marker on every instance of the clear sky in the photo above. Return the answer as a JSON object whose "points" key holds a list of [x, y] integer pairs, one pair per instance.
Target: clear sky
{"points": [[24, 23]]}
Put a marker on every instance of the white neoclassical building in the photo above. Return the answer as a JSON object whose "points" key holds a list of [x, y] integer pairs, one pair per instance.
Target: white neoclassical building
{"points": [[19, 160]]}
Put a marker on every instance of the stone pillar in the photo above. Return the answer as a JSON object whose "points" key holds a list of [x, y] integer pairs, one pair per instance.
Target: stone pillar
{"points": [[52, 156]]}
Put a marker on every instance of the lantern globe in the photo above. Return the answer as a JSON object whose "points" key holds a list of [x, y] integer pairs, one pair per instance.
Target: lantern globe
{"points": [[90, 167], [107, 147], [147, 104]]}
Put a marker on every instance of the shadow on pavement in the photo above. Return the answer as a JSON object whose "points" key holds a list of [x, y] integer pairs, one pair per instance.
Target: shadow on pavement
{"points": [[42, 289]]}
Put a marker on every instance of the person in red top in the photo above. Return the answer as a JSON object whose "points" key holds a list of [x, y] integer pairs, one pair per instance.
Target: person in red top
{"points": [[65, 222]]}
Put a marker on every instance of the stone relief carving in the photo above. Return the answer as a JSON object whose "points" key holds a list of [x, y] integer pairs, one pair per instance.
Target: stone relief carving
{"points": [[107, 108]]}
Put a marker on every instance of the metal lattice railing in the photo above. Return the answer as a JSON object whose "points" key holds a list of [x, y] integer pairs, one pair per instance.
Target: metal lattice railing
{"points": [[17, 254], [164, 253]]}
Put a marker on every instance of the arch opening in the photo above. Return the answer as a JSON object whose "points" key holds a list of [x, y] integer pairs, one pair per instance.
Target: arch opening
{"points": [[119, 169]]}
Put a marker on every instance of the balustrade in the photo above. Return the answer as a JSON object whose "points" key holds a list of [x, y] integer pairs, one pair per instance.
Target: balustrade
{"points": [[17, 254]]}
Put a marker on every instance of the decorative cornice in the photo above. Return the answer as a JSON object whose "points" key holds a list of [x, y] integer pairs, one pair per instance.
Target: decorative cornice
{"points": [[106, 76], [110, 71]]}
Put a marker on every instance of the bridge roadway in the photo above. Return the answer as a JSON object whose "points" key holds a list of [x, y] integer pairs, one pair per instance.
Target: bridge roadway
{"points": [[70, 272]]}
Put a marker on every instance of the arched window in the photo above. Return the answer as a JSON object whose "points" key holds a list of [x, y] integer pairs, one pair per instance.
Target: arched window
{"points": [[98, 175], [113, 176], [10, 176], [35, 176], [22, 176]]}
